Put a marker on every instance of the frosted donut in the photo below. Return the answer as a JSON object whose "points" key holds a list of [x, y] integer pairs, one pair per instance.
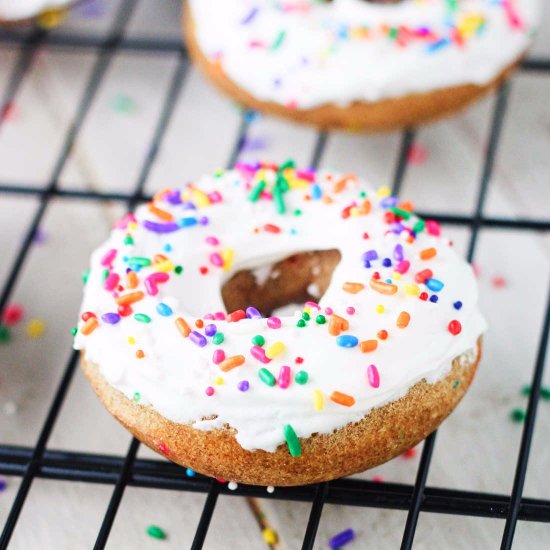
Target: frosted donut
{"points": [[382, 347], [358, 64], [25, 10]]}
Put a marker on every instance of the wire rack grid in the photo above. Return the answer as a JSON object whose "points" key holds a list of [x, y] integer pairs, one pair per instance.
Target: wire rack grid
{"points": [[39, 461]]}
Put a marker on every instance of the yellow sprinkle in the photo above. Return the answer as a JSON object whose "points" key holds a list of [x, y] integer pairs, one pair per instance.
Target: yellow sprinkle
{"points": [[355, 211], [35, 328], [383, 192], [307, 309], [132, 226], [270, 536], [219, 381], [131, 340], [200, 198], [380, 308], [412, 289], [165, 266], [49, 19], [227, 255], [396, 276], [275, 349], [318, 400]]}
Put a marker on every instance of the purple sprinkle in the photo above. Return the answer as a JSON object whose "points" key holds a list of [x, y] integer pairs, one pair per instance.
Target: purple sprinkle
{"points": [[243, 385], [189, 206], [198, 339], [398, 252], [369, 256], [210, 330], [253, 313], [4, 483], [250, 16], [397, 227], [160, 227], [386, 262], [204, 220], [433, 299], [341, 538], [110, 318], [367, 264], [173, 197], [39, 236], [388, 202]]}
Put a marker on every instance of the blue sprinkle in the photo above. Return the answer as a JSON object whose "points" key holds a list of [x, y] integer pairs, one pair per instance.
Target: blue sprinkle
{"points": [[3, 485], [293, 231], [110, 318], [189, 472], [435, 46], [316, 192], [388, 202], [434, 298], [347, 341], [164, 310], [386, 262], [457, 304], [167, 248], [253, 313], [187, 222], [341, 538], [367, 264], [434, 285]]}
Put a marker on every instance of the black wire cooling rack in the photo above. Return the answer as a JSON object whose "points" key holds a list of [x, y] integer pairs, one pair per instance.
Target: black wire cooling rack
{"points": [[120, 472]]}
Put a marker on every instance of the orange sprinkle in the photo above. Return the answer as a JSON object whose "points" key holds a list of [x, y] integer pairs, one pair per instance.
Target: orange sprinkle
{"points": [[159, 213], [406, 205], [353, 288], [427, 253], [382, 287], [382, 334], [342, 398], [327, 200], [199, 323], [140, 354], [337, 324], [403, 320], [368, 345], [341, 184], [159, 258], [130, 298], [159, 195], [232, 362], [183, 327], [89, 326], [365, 207], [132, 280]]}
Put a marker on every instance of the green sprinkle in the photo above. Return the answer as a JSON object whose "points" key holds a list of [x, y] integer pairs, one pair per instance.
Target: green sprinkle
{"points": [[400, 212], [301, 323], [141, 261], [142, 318], [258, 340], [393, 33], [282, 184], [320, 319], [301, 377], [128, 240], [526, 390], [178, 270], [297, 212], [256, 191], [517, 415], [292, 441], [363, 195], [137, 397], [278, 41], [85, 276], [123, 104], [74, 330], [266, 377], [306, 316], [545, 393], [218, 338], [104, 274], [287, 164], [419, 226], [156, 532], [452, 5], [456, 384], [4, 334], [279, 200]]}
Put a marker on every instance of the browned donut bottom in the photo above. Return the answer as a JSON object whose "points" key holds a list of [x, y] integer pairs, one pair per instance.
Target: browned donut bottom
{"points": [[379, 116]]}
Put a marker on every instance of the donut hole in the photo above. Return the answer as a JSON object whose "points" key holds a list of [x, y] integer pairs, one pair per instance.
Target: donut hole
{"points": [[294, 280]]}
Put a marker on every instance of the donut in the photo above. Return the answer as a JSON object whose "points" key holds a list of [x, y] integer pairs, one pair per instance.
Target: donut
{"points": [[23, 11], [358, 64], [277, 326]]}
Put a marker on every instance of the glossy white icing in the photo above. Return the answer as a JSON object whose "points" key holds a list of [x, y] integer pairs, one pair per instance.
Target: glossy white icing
{"points": [[175, 372], [305, 53]]}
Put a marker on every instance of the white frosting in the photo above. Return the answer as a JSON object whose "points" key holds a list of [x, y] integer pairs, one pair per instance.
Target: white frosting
{"points": [[175, 372], [22, 9], [305, 53]]}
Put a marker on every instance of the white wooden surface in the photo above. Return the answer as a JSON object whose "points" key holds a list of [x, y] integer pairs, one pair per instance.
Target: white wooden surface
{"points": [[476, 448]]}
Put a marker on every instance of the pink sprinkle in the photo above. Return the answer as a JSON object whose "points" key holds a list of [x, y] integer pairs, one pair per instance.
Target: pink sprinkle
{"points": [[218, 356], [433, 228], [409, 453], [350, 310], [373, 376], [312, 304], [214, 241], [209, 391], [110, 255], [215, 197], [111, 281], [259, 354], [12, 315], [329, 311], [403, 266], [216, 259], [498, 281], [378, 479], [208, 316], [219, 316], [417, 154], [274, 322], [284, 377], [163, 448]]}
